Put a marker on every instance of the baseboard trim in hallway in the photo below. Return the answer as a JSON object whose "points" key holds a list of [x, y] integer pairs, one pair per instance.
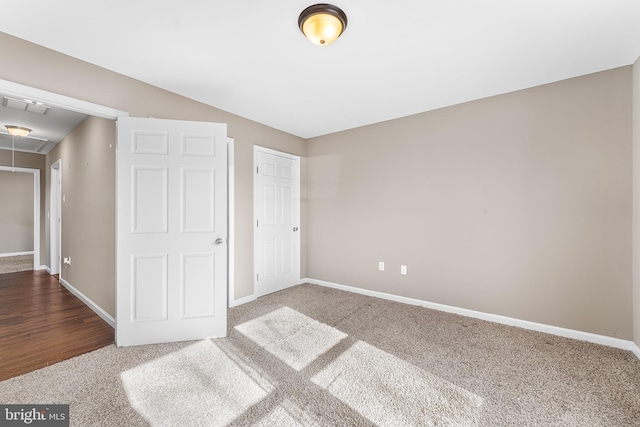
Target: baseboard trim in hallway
{"points": [[89, 303], [42, 323]]}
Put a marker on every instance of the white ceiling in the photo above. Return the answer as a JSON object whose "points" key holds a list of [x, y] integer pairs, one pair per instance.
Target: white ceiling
{"points": [[47, 129], [394, 59]]}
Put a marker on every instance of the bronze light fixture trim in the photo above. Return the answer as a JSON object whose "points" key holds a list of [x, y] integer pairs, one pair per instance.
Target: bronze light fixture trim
{"points": [[322, 23]]}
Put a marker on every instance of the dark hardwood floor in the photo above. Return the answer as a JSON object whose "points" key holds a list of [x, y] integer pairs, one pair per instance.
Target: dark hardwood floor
{"points": [[42, 323]]}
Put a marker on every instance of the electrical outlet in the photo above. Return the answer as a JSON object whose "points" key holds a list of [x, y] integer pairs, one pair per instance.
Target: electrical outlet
{"points": [[403, 270], [381, 266], [67, 261]]}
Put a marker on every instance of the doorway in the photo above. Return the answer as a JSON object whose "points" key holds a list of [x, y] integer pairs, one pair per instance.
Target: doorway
{"points": [[36, 209], [20, 91], [53, 100], [276, 220]]}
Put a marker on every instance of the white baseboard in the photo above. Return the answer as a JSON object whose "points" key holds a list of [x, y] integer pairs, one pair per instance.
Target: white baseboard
{"points": [[45, 268], [253, 297], [525, 324], [241, 301], [635, 349], [92, 305], [16, 254]]}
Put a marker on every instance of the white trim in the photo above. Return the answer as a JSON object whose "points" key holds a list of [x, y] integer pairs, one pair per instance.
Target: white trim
{"points": [[635, 349], [241, 301], [16, 254], [45, 268], [55, 227], [17, 90], [231, 211], [525, 324], [36, 208], [36, 218], [276, 152], [92, 305]]}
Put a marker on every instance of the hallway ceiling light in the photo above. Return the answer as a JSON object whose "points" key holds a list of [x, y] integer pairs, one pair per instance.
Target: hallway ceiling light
{"points": [[18, 130], [322, 23], [15, 131]]}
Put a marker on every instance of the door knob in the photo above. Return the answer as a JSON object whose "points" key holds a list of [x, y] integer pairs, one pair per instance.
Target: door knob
{"points": [[219, 241], [295, 228]]}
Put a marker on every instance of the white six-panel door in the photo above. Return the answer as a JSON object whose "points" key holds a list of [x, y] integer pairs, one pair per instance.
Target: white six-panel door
{"points": [[277, 220], [171, 231]]}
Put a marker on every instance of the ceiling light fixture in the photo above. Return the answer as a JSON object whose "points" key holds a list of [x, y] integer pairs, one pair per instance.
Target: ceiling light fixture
{"points": [[15, 131], [18, 130], [322, 23]]}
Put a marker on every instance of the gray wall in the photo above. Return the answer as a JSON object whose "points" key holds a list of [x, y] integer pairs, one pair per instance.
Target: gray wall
{"points": [[68, 76], [88, 212], [16, 212], [518, 205]]}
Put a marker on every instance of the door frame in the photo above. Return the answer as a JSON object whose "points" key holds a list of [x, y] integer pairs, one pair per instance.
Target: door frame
{"points": [[60, 101], [36, 209], [55, 212], [231, 238], [298, 241], [17, 90]]}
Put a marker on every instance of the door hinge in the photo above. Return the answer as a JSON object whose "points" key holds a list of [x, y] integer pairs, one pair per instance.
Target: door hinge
{"points": [[257, 223], [257, 277], [257, 169]]}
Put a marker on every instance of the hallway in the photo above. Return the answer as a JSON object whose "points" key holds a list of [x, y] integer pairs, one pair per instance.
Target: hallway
{"points": [[42, 323]]}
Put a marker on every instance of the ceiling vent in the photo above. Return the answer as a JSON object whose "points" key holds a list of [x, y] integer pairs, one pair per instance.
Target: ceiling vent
{"points": [[25, 105]]}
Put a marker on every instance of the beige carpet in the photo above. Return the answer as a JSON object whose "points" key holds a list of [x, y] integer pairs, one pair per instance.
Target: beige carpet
{"points": [[313, 356], [13, 264]]}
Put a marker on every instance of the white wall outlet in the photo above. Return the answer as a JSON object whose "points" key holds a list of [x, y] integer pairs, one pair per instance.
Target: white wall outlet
{"points": [[403, 270], [67, 261], [381, 266]]}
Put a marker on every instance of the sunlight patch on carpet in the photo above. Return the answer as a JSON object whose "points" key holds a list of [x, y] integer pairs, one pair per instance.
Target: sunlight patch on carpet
{"points": [[291, 336], [390, 391], [202, 384]]}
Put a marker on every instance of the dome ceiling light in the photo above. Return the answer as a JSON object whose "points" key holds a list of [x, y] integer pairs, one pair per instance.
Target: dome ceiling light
{"points": [[15, 131], [18, 130], [322, 23]]}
